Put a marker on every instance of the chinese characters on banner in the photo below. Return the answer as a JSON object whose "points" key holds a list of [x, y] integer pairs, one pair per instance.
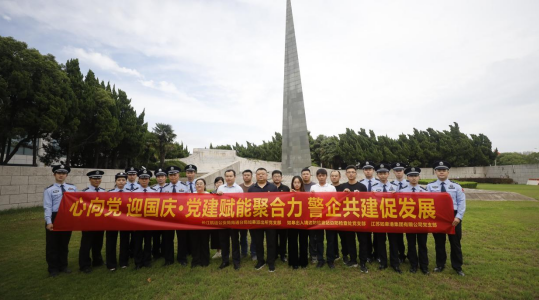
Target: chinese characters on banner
{"points": [[370, 212]]}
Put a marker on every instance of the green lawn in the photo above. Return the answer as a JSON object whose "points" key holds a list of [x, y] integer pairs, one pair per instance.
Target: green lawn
{"points": [[526, 190], [500, 245]]}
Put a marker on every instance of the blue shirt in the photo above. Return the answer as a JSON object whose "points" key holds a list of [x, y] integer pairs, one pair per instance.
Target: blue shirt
{"points": [[455, 190], [374, 182], [52, 196], [410, 189], [191, 185], [400, 184], [159, 188], [131, 186], [380, 187], [93, 189], [235, 188], [180, 188]]}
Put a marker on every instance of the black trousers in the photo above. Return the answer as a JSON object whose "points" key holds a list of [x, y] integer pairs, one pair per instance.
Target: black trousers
{"points": [[421, 240], [344, 247], [167, 245], [91, 241], [56, 248], [181, 236], [225, 235], [454, 243], [381, 249], [110, 249], [395, 240], [331, 245], [374, 248], [143, 248], [312, 244], [280, 239], [365, 246], [156, 243], [400, 246], [298, 237], [200, 241], [215, 243], [243, 242], [270, 244]]}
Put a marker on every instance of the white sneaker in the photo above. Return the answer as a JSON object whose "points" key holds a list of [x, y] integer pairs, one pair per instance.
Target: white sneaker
{"points": [[217, 255]]}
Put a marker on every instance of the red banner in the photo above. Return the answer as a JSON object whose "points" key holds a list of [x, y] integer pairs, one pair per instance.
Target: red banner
{"points": [[368, 212]]}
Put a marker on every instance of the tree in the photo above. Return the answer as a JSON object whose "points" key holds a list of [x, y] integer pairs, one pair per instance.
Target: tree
{"points": [[33, 95], [165, 136]]}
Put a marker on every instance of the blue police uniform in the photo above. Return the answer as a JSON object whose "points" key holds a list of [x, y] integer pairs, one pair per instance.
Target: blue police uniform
{"points": [[459, 207], [168, 235], [57, 242], [143, 238], [112, 238], [91, 240], [399, 184], [417, 256]]}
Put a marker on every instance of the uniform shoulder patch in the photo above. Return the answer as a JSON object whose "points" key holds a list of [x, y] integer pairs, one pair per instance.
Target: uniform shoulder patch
{"points": [[48, 187], [393, 183], [134, 189], [454, 182], [423, 188], [110, 190], [86, 189], [151, 188]]}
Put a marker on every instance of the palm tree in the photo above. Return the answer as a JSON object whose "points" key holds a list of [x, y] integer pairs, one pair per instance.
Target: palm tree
{"points": [[164, 137]]}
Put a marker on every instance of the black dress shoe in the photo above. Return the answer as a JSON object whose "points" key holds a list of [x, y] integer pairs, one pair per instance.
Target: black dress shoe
{"points": [[320, 264], [363, 268], [183, 263], [331, 265], [345, 259], [138, 267], [167, 263], [304, 267], [67, 271], [413, 270], [295, 267], [439, 269], [54, 274], [397, 269], [86, 270], [425, 271], [224, 265], [284, 259], [461, 273], [382, 267], [236, 266]]}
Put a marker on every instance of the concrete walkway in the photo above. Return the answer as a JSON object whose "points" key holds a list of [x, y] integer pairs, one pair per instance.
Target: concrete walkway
{"points": [[486, 195]]}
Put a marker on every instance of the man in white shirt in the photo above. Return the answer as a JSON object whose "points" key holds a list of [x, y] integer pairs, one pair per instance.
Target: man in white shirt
{"points": [[321, 187], [226, 234]]}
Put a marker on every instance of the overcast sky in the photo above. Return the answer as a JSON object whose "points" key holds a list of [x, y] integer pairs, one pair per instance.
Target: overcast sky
{"points": [[214, 69]]}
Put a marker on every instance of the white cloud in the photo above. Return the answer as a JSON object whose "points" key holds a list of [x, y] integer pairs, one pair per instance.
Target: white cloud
{"points": [[101, 61], [419, 64], [6, 17]]}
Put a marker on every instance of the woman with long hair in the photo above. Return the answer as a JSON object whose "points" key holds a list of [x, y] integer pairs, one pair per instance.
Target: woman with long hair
{"points": [[298, 235]]}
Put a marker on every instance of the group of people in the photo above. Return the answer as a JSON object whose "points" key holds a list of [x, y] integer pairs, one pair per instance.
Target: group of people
{"points": [[293, 246]]}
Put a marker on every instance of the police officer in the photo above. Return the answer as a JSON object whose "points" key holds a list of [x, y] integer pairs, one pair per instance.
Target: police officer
{"points": [[112, 235], [382, 170], [143, 238], [400, 182], [57, 242], [175, 186], [161, 177], [132, 178], [92, 240], [444, 185], [184, 236], [370, 182], [412, 173]]}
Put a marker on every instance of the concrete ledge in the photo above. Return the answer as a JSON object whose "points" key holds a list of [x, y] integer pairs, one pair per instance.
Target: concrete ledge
{"points": [[485, 195]]}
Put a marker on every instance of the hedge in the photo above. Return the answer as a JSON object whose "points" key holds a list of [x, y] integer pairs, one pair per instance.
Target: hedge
{"points": [[490, 180]]}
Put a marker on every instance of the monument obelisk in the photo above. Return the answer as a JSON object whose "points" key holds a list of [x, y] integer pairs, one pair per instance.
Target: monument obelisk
{"points": [[296, 153]]}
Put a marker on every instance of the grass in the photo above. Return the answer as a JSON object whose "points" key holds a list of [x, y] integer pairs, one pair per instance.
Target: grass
{"points": [[500, 246], [526, 190]]}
